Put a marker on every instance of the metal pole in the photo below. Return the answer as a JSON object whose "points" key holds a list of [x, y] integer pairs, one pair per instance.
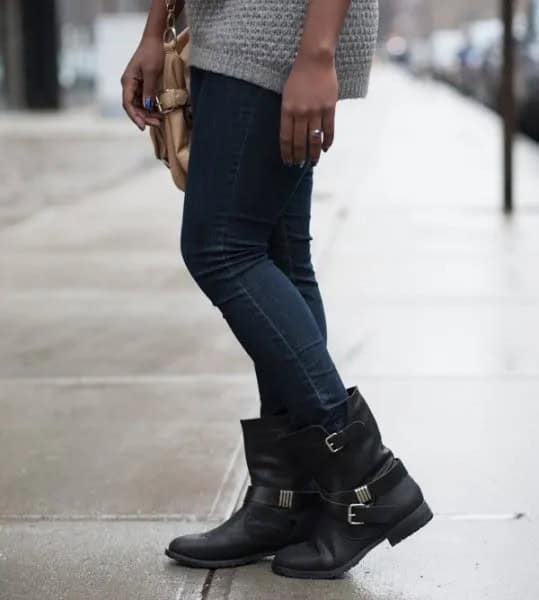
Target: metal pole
{"points": [[508, 104], [12, 47], [40, 27]]}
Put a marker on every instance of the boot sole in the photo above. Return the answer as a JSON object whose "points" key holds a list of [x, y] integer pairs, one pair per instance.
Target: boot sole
{"points": [[405, 528], [196, 563]]}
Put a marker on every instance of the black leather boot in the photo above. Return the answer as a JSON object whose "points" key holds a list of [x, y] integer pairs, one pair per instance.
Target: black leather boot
{"points": [[367, 496], [280, 506]]}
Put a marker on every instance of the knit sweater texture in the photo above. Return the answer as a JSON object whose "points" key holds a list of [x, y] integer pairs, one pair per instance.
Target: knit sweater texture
{"points": [[257, 41]]}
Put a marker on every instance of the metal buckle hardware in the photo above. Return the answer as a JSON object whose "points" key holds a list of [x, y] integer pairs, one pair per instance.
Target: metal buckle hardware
{"points": [[170, 34], [352, 515], [286, 498], [331, 444], [174, 102], [159, 106], [363, 494]]}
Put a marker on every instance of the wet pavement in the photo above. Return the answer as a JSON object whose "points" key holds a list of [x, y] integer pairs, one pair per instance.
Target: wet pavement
{"points": [[49, 159], [121, 386]]}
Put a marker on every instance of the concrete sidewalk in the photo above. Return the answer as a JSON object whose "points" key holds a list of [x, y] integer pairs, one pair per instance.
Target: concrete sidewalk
{"points": [[121, 386]]}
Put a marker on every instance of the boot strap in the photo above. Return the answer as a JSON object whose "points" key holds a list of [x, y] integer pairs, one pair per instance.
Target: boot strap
{"points": [[289, 499], [345, 505], [335, 442]]}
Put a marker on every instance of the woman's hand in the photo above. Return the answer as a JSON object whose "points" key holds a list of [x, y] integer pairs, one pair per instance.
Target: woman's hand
{"points": [[309, 100], [139, 82]]}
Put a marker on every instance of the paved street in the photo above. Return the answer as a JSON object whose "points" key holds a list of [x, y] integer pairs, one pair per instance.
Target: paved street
{"points": [[121, 387]]}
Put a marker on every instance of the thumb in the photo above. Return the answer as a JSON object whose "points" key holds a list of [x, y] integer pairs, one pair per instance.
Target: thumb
{"points": [[149, 88]]}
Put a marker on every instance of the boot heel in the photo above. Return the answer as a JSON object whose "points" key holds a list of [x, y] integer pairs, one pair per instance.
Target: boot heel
{"points": [[410, 524]]}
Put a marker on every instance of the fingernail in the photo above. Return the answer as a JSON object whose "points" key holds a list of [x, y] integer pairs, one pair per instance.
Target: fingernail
{"points": [[148, 103]]}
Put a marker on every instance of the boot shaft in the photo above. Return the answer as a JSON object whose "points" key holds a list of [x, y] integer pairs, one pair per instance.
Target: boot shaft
{"points": [[348, 458], [269, 461]]}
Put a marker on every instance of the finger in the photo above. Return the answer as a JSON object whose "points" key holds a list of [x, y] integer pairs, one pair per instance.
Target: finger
{"points": [[315, 139], [328, 127], [149, 89], [130, 87], [153, 122], [300, 140], [153, 119], [286, 138]]}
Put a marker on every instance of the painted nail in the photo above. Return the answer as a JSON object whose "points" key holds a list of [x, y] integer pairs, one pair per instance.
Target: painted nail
{"points": [[148, 103]]}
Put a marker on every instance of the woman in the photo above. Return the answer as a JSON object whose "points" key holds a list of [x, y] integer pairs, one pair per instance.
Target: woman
{"points": [[265, 80]]}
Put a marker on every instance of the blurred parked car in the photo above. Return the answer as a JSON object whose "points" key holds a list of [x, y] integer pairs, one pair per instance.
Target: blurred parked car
{"points": [[526, 82], [471, 59], [529, 73], [528, 88], [445, 46], [479, 38], [490, 74], [419, 62]]}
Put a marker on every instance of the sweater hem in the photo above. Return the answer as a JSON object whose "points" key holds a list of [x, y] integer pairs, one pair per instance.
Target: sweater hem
{"points": [[219, 61]]}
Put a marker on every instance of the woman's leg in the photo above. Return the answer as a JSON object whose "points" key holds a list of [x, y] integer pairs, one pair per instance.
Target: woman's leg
{"points": [[238, 190], [290, 250]]}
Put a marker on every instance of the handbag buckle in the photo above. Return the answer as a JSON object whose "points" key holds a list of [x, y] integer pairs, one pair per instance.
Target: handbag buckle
{"points": [[169, 100], [159, 106]]}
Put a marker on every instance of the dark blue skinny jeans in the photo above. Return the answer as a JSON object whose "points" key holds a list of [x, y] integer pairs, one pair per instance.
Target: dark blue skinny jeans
{"points": [[245, 240]]}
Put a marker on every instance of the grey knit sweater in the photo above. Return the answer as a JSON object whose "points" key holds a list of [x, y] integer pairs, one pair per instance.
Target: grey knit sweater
{"points": [[257, 40]]}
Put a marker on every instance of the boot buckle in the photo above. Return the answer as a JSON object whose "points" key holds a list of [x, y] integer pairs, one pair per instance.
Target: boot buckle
{"points": [[330, 443], [352, 514], [363, 494]]}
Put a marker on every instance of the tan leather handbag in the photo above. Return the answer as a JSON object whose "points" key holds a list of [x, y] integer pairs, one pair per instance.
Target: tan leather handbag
{"points": [[171, 139]]}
